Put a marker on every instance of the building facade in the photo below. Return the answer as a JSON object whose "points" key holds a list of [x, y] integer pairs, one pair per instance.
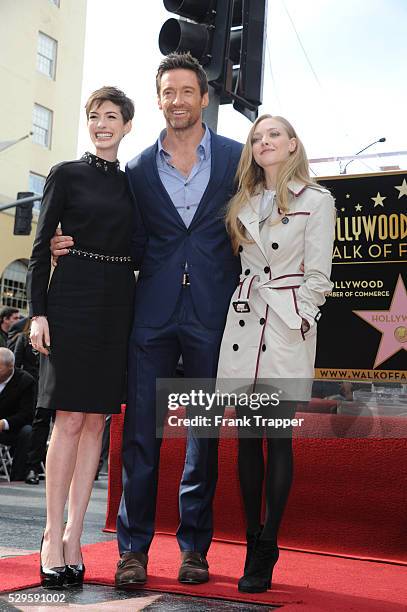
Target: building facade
{"points": [[41, 64]]}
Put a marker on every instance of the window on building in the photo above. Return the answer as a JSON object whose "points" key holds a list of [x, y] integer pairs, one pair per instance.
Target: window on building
{"points": [[46, 55], [36, 184], [42, 124], [13, 286]]}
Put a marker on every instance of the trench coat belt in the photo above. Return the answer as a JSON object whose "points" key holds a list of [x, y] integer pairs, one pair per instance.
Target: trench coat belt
{"points": [[253, 283], [247, 285], [285, 281]]}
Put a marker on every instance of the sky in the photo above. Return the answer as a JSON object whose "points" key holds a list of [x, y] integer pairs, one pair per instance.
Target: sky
{"points": [[335, 68]]}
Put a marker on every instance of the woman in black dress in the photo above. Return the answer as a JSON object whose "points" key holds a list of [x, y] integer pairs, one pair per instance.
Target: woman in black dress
{"points": [[80, 322]]}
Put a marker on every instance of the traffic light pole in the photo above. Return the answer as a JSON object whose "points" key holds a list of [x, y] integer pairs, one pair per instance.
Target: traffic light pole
{"points": [[210, 114]]}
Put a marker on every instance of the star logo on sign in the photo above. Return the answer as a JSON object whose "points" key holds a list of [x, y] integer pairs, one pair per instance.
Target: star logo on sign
{"points": [[402, 189], [391, 323], [358, 207], [347, 196], [378, 200]]}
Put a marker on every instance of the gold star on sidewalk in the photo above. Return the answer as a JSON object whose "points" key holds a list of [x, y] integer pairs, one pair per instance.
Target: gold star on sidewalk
{"points": [[358, 207], [402, 189], [378, 200]]}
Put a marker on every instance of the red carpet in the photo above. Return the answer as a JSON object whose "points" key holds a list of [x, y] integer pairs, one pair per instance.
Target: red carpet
{"points": [[349, 499], [303, 582], [349, 496]]}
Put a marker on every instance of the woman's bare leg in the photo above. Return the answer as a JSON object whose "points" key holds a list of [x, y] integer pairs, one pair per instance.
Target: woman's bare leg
{"points": [[60, 465], [87, 461]]}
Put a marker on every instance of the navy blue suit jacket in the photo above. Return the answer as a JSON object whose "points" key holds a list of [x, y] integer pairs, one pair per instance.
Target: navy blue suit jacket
{"points": [[162, 243]]}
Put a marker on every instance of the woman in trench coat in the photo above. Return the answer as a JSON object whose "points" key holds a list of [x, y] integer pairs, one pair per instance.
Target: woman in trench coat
{"points": [[282, 224]]}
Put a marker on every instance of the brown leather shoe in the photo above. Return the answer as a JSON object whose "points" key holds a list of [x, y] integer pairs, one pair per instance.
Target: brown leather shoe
{"points": [[131, 570], [194, 568]]}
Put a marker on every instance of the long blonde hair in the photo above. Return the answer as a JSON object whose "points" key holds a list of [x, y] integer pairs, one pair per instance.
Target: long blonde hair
{"points": [[250, 179]]}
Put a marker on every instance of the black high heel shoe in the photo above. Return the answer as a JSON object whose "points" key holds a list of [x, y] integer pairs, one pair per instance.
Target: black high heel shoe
{"points": [[258, 574], [75, 575], [51, 577]]}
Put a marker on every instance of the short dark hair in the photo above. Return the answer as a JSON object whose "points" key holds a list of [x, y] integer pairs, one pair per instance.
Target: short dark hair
{"points": [[5, 313], [111, 94], [175, 61]]}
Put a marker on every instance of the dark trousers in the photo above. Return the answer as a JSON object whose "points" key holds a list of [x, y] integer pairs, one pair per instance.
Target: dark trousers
{"points": [[154, 353], [40, 432], [20, 442]]}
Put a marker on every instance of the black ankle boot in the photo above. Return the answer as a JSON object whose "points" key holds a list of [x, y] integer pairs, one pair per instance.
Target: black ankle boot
{"points": [[251, 539], [257, 577]]}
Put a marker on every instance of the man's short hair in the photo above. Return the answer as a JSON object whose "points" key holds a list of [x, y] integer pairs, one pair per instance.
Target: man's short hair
{"points": [[111, 94], [5, 313], [185, 61]]}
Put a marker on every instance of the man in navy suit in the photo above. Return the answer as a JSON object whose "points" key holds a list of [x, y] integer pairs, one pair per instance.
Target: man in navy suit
{"points": [[181, 186], [188, 273]]}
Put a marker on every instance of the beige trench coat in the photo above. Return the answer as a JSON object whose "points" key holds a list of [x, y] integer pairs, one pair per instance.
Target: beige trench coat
{"points": [[263, 337]]}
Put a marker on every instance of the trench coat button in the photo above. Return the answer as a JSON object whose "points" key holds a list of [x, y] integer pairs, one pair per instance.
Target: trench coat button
{"points": [[235, 347], [267, 269], [241, 323], [263, 348], [240, 248], [247, 272], [262, 321], [274, 245], [285, 220]]}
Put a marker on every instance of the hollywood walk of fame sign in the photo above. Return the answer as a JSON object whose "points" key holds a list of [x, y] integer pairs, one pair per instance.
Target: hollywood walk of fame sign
{"points": [[363, 329]]}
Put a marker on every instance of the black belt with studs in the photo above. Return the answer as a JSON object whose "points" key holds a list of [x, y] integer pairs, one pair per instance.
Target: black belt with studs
{"points": [[99, 257]]}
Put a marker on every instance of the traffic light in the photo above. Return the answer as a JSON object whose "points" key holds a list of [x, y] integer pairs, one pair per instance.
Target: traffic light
{"points": [[244, 79], [23, 215], [203, 29]]}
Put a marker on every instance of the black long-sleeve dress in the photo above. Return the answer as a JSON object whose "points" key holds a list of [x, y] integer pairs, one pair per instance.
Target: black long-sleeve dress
{"points": [[89, 299]]}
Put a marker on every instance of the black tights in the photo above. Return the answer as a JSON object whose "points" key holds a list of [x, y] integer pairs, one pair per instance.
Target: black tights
{"points": [[278, 481]]}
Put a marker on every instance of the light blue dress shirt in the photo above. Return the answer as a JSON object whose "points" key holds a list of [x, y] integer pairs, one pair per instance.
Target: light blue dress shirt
{"points": [[185, 192]]}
